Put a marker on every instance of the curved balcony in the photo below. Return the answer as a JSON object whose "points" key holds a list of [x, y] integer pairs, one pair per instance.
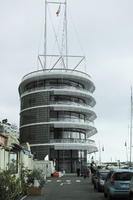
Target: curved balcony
{"points": [[70, 144], [90, 129], [81, 109], [70, 74], [55, 71], [54, 88], [70, 103], [82, 93], [73, 92], [56, 107]]}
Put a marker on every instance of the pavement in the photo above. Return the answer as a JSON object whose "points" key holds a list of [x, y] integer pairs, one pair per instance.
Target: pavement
{"points": [[68, 188]]}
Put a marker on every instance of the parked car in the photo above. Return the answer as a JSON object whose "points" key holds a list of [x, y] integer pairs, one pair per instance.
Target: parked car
{"points": [[117, 183], [93, 178], [131, 189], [99, 180]]}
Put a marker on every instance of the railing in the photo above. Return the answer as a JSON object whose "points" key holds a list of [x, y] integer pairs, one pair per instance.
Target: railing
{"points": [[56, 70], [68, 119], [90, 142], [57, 87], [70, 103]]}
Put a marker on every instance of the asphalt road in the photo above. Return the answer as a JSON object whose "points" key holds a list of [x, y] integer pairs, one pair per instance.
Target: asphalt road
{"points": [[69, 188]]}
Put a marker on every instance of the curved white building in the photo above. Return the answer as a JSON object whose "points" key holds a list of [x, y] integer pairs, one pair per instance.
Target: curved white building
{"points": [[57, 116]]}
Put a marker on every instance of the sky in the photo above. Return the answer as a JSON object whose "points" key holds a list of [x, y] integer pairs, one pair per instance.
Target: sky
{"points": [[105, 32]]}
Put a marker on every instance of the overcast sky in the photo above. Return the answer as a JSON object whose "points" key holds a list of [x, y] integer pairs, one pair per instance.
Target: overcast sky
{"points": [[105, 29]]}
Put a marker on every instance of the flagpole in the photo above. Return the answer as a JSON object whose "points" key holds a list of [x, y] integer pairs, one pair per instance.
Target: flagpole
{"points": [[126, 152], [45, 37], [99, 153], [131, 129], [66, 34]]}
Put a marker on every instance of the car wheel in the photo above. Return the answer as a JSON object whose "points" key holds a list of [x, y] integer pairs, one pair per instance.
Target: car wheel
{"points": [[105, 195], [109, 197], [131, 196]]}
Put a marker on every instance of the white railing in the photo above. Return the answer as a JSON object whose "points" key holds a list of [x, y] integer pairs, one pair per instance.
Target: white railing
{"points": [[39, 72], [68, 119], [57, 87], [90, 142], [70, 103]]}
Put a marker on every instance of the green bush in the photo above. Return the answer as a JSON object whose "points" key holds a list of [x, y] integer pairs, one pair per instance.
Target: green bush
{"points": [[28, 177], [36, 174], [24, 179], [10, 186]]}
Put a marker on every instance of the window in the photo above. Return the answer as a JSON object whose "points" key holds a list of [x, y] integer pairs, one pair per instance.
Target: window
{"points": [[13, 162], [40, 83], [53, 114], [75, 135], [82, 135], [122, 176], [32, 101]]}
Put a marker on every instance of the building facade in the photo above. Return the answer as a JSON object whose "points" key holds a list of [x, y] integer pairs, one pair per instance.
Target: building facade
{"points": [[13, 156], [57, 117]]}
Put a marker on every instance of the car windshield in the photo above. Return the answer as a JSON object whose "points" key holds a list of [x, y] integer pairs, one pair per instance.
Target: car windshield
{"points": [[123, 176], [103, 175]]}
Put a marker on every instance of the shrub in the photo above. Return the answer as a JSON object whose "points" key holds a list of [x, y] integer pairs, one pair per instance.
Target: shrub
{"points": [[10, 186], [28, 177], [36, 174]]}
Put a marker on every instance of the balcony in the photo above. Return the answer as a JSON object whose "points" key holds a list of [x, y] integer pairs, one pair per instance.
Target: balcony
{"points": [[71, 141], [70, 144], [62, 88], [56, 71], [74, 144]]}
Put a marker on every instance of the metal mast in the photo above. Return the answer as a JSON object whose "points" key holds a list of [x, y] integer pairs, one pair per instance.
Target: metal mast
{"points": [[45, 37], [44, 58], [131, 128], [45, 31], [66, 34]]}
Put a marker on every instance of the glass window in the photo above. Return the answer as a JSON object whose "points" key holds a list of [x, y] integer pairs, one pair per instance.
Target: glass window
{"points": [[52, 97], [32, 101], [75, 135], [123, 176], [82, 135], [74, 115], [13, 162], [53, 82], [66, 135], [53, 114], [40, 83]]}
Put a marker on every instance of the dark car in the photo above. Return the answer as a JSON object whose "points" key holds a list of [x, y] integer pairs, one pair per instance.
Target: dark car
{"points": [[99, 179], [117, 183]]}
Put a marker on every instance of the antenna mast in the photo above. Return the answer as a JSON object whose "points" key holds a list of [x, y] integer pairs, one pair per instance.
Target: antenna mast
{"points": [[44, 58], [131, 128], [66, 34], [45, 37], [45, 31]]}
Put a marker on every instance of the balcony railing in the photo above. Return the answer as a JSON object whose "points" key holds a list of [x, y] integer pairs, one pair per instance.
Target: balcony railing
{"points": [[39, 72], [68, 119], [70, 103], [89, 142], [57, 87]]}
